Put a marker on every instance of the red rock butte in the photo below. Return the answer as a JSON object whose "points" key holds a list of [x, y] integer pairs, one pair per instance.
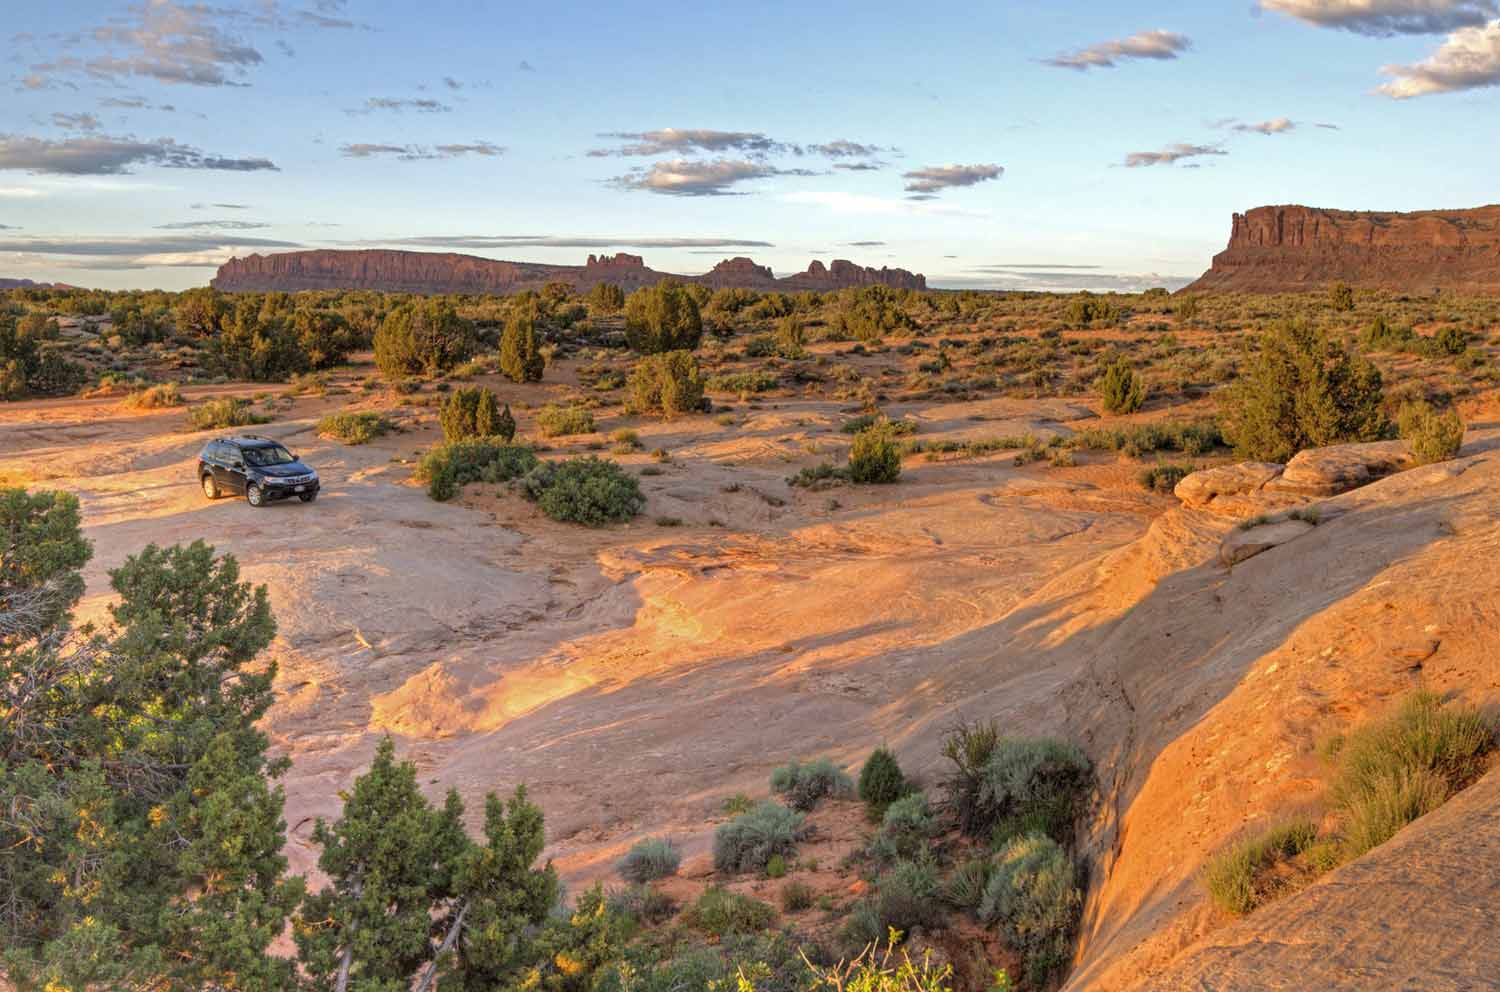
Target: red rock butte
{"points": [[1295, 249], [438, 272]]}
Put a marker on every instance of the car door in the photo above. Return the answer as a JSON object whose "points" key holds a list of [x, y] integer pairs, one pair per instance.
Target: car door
{"points": [[232, 465]]}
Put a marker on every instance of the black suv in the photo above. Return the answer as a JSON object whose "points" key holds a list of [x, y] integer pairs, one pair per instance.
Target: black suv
{"points": [[261, 469]]}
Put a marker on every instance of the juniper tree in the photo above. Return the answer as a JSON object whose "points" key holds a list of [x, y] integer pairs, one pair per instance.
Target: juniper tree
{"points": [[520, 356]]}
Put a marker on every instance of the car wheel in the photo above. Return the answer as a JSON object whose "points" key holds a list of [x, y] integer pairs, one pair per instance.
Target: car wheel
{"points": [[210, 487], [308, 497], [255, 495]]}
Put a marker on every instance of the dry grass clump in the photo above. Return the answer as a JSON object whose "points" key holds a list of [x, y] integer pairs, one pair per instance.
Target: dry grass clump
{"points": [[156, 397], [1245, 874], [227, 411], [354, 427]]}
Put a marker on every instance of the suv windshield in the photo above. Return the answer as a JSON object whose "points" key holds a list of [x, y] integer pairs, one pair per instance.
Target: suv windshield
{"points": [[272, 454]]}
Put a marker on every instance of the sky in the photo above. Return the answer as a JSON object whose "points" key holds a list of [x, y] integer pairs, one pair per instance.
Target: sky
{"points": [[1064, 145]]}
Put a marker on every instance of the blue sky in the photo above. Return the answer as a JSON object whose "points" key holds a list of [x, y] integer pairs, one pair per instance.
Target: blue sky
{"points": [[1062, 145]]}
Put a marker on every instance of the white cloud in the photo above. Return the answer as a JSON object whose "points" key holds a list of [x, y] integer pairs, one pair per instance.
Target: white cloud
{"points": [[1277, 125], [686, 177], [935, 178], [1170, 155], [1384, 18], [1469, 59], [1158, 45]]}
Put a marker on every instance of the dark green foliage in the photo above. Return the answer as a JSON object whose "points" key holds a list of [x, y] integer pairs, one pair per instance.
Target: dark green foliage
{"points": [[520, 355], [1186, 308], [1341, 297], [668, 384], [797, 896], [472, 412], [1088, 310], [27, 367], [449, 467], [719, 911], [804, 785], [1190, 438], [1243, 875], [881, 781], [650, 859], [575, 954], [422, 339], [143, 837], [662, 318], [1121, 390], [41, 554], [199, 312], [589, 491], [1432, 436], [875, 457], [791, 339], [388, 858], [1034, 900], [747, 842], [870, 313], [1303, 390]]}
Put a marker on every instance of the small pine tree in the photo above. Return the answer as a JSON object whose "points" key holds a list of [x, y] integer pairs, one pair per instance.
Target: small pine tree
{"points": [[1341, 297], [470, 412], [881, 781], [520, 357], [390, 858], [1121, 389], [875, 455], [669, 384], [662, 318]]}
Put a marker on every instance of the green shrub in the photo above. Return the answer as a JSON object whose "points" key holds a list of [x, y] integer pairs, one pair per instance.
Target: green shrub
{"points": [[354, 427], [155, 397], [881, 781], [449, 467], [1034, 900], [668, 384], [1121, 390], [1243, 875], [422, 339], [588, 491], [473, 411], [1341, 297], [719, 911], [964, 889], [748, 842], [226, 411], [650, 859], [814, 476], [875, 457], [606, 298], [1432, 436], [520, 356], [797, 896], [1163, 476], [865, 421], [1086, 310], [561, 421], [791, 339], [805, 784], [662, 318], [1191, 438], [742, 382], [642, 903], [1392, 771], [1007, 786], [905, 828], [1451, 340], [1303, 390], [907, 896]]}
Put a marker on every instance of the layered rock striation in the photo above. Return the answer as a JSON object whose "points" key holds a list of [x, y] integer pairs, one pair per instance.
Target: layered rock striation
{"points": [[1294, 249]]}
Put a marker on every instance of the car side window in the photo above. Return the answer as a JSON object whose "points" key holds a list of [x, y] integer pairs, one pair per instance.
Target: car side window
{"points": [[214, 452]]}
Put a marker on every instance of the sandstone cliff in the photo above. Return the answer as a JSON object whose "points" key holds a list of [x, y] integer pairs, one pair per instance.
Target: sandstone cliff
{"points": [[434, 272], [1293, 249]]}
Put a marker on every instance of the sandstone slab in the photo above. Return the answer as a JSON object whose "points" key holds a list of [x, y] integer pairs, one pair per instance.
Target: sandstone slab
{"points": [[1322, 472], [1244, 544], [1202, 488]]}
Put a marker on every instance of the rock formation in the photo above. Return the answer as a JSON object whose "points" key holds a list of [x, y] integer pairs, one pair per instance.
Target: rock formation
{"points": [[435, 272], [1294, 249]]}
